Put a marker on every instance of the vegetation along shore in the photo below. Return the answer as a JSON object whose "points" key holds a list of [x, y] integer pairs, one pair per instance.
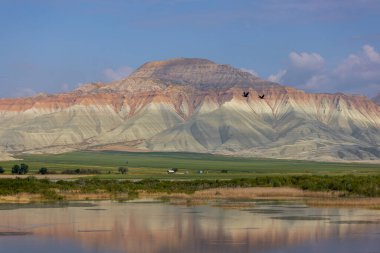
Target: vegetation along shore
{"points": [[196, 178], [316, 190]]}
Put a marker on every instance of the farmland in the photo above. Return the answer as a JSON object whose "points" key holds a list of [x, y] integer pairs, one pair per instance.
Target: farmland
{"points": [[155, 164]]}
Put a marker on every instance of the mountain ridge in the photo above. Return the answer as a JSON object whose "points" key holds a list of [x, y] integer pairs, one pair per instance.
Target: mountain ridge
{"points": [[194, 105]]}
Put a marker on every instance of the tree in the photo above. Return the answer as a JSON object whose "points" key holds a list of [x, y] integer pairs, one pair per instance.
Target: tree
{"points": [[2, 170], [20, 169], [24, 168], [123, 170], [43, 171], [16, 169]]}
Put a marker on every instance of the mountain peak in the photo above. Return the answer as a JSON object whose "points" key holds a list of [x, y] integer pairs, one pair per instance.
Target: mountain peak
{"points": [[199, 73], [177, 62]]}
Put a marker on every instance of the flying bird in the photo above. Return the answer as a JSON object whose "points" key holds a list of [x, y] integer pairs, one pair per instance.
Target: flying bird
{"points": [[245, 94], [262, 96]]}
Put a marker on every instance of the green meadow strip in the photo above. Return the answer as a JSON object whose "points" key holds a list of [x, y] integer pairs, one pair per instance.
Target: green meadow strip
{"points": [[357, 186]]}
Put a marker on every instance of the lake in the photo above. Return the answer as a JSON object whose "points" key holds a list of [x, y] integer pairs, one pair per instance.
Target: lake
{"points": [[148, 226]]}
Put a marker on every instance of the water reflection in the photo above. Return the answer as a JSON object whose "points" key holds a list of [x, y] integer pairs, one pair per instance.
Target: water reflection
{"points": [[157, 227]]}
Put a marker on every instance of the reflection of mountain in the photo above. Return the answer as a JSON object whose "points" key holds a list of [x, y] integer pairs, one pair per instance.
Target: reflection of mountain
{"points": [[160, 228], [194, 105]]}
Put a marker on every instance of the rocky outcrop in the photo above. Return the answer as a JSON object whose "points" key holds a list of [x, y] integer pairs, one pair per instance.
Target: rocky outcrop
{"points": [[195, 105]]}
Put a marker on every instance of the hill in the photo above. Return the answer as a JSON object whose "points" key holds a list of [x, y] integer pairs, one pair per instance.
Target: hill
{"points": [[194, 105]]}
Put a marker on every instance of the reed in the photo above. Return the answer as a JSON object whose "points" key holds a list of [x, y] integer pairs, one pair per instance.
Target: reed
{"points": [[22, 198], [259, 192], [345, 202]]}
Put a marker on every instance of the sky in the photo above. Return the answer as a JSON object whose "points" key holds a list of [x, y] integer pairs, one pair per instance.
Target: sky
{"points": [[315, 45]]}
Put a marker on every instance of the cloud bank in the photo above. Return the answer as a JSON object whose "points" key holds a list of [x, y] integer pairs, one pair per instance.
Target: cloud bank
{"points": [[358, 73]]}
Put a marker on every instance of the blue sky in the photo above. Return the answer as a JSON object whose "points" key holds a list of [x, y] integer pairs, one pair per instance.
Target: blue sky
{"points": [[319, 46]]}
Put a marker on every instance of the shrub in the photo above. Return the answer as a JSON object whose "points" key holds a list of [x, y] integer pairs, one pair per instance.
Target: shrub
{"points": [[2, 170], [16, 169], [24, 168], [20, 169], [123, 170], [43, 171]]}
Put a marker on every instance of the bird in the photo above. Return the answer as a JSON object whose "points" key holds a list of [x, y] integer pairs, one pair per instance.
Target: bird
{"points": [[262, 96], [245, 94]]}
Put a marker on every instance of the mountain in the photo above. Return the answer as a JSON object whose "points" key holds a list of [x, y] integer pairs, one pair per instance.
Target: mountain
{"points": [[194, 105]]}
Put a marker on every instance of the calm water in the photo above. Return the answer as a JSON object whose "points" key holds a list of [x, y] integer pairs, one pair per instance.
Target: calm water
{"points": [[161, 228]]}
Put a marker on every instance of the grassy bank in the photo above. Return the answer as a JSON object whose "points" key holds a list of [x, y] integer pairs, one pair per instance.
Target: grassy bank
{"points": [[155, 164], [341, 186]]}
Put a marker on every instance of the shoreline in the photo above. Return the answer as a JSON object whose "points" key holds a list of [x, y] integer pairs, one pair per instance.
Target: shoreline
{"points": [[225, 197], [354, 191]]}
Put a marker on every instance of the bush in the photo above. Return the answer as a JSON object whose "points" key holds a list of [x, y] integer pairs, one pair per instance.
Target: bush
{"points": [[43, 171], [2, 170], [366, 186], [24, 168], [123, 170], [16, 169], [20, 169]]}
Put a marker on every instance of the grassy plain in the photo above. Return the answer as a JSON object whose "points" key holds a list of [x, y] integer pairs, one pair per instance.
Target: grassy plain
{"points": [[155, 164], [341, 183]]}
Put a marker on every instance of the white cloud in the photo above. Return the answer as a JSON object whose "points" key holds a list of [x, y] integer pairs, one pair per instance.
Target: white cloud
{"points": [[278, 76], [316, 82], [359, 73], [372, 55], [308, 61], [301, 67], [364, 66], [117, 74], [24, 92]]}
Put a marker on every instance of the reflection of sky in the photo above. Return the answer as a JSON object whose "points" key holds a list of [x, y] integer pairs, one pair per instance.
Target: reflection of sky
{"points": [[138, 227]]}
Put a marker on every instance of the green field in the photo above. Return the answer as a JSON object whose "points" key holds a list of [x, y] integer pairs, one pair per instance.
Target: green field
{"points": [[155, 165]]}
